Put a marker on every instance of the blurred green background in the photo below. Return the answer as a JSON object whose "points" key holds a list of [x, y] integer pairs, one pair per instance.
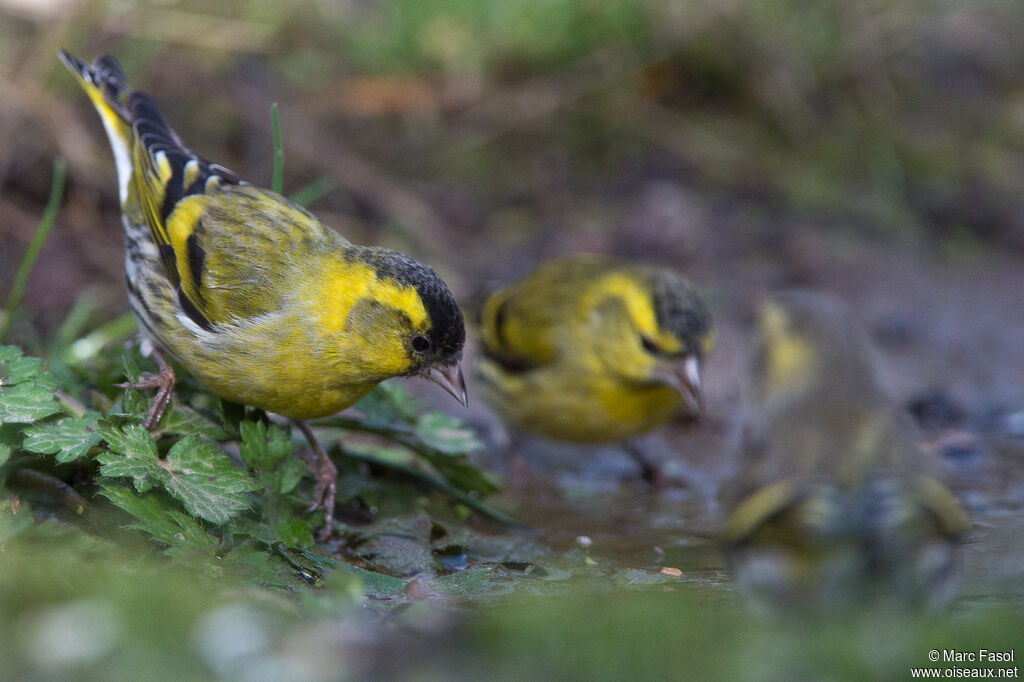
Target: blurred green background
{"points": [[504, 132], [868, 147]]}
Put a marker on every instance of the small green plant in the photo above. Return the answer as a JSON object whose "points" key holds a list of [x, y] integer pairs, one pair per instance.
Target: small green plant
{"points": [[179, 485]]}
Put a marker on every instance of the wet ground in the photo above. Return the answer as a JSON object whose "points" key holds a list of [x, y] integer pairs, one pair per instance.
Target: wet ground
{"points": [[950, 342]]}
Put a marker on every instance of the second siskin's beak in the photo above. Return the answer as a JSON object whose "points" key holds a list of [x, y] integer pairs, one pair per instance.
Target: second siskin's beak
{"points": [[449, 377], [684, 376]]}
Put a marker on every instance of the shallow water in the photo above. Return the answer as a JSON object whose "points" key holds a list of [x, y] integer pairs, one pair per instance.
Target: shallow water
{"points": [[947, 335]]}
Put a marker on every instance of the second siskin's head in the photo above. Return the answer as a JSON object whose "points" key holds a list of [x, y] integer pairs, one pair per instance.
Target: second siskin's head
{"points": [[658, 330]]}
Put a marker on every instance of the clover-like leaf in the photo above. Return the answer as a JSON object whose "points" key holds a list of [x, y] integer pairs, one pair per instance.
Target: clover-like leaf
{"points": [[262, 447], [15, 368], [26, 390], [131, 454], [270, 452], [68, 438], [183, 421], [26, 402], [205, 481]]}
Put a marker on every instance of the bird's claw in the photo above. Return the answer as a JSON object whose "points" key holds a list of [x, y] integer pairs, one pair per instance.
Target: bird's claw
{"points": [[326, 482], [164, 382]]}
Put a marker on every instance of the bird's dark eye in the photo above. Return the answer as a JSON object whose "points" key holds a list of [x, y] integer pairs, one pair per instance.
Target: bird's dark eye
{"points": [[649, 345], [420, 343]]}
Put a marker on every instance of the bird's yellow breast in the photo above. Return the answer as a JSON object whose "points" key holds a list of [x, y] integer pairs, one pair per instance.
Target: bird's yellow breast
{"points": [[572, 403], [320, 353]]}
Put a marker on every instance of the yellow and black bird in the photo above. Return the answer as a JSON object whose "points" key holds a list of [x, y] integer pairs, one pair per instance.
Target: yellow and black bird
{"points": [[589, 350], [252, 294], [833, 505]]}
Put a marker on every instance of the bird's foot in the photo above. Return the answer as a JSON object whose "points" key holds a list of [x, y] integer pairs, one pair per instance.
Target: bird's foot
{"points": [[164, 381], [326, 481]]}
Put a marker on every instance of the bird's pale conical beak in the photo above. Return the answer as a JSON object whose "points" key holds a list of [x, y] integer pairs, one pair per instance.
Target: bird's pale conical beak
{"points": [[684, 376], [449, 377]]}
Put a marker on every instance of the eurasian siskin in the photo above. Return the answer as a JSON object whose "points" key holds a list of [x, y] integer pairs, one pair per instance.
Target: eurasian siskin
{"points": [[252, 294], [588, 350], [833, 503]]}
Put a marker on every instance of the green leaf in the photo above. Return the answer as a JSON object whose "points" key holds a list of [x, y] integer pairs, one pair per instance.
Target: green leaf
{"points": [[132, 454], [231, 414], [262, 448], [473, 580], [205, 480], [133, 404], [249, 527], [387, 404], [431, 479], [460, 473], [16, 369], [184, 421], [389, 454], [132, 371], [289, 473], [27, 402], [26, 391], [295, 533], [150, 515], [153, 516], [259, 566], [374, 584], [446, 434], [270, 452], [68, 439]]}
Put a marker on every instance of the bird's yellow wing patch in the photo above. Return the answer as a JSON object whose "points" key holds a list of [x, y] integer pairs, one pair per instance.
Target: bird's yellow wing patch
{"points": [[516, 331], [190, 258]]}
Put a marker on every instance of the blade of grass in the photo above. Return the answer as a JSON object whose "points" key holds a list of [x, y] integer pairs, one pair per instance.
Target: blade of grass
{"points": [[34, 247], [72, 326], [314, 191], [90, 344], [277, 179]]}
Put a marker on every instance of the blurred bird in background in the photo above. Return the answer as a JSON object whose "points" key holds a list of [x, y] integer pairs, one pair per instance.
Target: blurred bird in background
{"points": [[833, 503], [589, 350]]}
